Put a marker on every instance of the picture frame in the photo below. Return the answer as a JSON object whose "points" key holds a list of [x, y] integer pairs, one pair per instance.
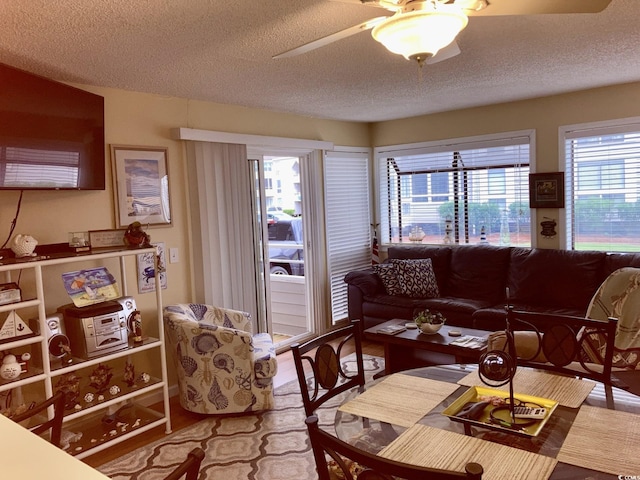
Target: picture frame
{"points": [[106, 238], [546, 190], [141, 185]]}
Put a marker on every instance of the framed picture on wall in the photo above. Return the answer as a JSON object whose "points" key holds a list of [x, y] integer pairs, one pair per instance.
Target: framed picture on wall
{"points": [[141, 185], [546, 190]]}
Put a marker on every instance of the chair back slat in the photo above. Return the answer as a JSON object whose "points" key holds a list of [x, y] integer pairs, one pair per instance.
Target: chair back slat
{"points": [[324, 356], [567, 343], [53, 424]]}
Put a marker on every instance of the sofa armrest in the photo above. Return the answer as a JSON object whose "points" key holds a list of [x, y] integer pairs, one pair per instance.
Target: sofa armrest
{"points": [[366, 280]]}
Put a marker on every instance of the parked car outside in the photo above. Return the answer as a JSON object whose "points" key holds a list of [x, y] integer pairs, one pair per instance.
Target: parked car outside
{"points": [[285, 245]]}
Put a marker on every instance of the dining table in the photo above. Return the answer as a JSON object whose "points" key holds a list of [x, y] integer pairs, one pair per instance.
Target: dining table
{"points": [[591, 432], [25, 455]]}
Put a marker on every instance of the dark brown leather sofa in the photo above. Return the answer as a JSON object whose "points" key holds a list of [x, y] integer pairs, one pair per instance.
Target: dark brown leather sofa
{"points": [[473, 282]]}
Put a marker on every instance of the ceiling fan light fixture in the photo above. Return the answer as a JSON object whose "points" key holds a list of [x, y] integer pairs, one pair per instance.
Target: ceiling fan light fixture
{"points": [[419, 35]]}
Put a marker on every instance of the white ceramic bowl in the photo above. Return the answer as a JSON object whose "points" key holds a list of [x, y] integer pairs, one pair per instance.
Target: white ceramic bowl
{"points": [[430, 328]]}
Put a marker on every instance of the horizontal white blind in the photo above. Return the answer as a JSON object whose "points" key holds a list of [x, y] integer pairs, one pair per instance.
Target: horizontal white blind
{"points": [[603, 185], [348, 217], [40, 167], [482, 185]]}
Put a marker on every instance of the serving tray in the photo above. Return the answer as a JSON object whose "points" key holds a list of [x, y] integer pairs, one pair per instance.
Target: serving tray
{"points": [[476, 394]]}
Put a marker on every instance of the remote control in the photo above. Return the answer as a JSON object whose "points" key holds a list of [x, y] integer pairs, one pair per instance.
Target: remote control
{"points": [[536, 413]]}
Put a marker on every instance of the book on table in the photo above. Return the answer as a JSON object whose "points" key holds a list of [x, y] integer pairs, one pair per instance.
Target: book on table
{"points": [[391, 329]]}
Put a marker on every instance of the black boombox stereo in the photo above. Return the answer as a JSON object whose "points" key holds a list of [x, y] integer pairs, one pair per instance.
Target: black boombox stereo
{"points": [[98, 329]]}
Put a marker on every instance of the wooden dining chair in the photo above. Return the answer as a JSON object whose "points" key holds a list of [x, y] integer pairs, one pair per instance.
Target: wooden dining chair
{"points": [[324, 356], [54, 424], [570, 345], [190, 468], [347, 459]]}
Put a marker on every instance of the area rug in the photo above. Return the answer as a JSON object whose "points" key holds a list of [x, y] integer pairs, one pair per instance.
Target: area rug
{"points": [[267, 446]]}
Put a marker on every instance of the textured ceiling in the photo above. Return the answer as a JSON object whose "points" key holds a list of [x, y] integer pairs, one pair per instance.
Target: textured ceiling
{"points": [[221, 51]]}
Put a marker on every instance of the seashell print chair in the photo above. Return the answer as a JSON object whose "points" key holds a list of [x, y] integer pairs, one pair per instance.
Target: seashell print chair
{"points": [[221, 366]]}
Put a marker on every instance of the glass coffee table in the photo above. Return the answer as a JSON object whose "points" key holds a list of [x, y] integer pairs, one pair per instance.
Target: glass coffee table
{"points": [[372, 434]]}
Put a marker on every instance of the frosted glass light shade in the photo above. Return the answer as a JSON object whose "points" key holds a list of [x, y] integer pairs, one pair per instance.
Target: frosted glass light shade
{"points": [[420, 34]]}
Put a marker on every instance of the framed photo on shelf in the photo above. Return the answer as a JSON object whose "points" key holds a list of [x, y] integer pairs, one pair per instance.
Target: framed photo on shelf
{"points": [[546, 190], [141, 185], [106, 238]]}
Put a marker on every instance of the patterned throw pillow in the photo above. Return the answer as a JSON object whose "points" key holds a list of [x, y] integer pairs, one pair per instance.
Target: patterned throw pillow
{"points": [[389, 276], [417, 278]]}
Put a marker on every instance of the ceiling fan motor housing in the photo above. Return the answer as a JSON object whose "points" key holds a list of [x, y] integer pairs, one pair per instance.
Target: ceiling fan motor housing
{"points": [[420, 29]]}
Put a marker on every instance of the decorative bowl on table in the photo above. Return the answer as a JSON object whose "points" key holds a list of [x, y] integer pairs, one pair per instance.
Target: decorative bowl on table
{"points": [[429, 322]]}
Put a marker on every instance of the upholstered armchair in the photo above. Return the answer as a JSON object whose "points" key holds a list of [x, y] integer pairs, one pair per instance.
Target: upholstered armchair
{"points": [[221, 366]]}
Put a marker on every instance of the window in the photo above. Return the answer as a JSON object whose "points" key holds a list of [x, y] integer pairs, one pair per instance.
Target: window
{"points": [[602, 163], [480, 186]]}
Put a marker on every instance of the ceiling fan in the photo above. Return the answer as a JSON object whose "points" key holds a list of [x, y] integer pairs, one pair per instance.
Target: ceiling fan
{"points": [[425, 30]]}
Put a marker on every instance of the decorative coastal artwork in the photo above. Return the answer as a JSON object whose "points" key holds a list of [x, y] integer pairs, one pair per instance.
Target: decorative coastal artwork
{"points": [[147, 269], [141, 185]]}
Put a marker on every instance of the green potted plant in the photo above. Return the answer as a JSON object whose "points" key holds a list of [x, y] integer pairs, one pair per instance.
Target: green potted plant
{"points": [[429, 322]]}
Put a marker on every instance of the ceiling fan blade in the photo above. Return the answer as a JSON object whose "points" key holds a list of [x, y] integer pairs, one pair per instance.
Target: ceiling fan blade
{"points": [[533, 7], [334, 37], [445, 53]]}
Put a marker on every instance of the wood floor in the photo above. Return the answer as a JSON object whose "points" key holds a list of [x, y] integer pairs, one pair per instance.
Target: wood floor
{"points": [[181, 418]]}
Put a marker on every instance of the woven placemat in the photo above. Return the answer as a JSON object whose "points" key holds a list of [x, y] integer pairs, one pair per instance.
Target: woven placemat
{"points": [[434, 448], [567, 391], [400, 399], [603, 440]]}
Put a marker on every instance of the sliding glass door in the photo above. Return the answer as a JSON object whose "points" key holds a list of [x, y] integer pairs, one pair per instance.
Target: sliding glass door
{"points": [[283, 275]]}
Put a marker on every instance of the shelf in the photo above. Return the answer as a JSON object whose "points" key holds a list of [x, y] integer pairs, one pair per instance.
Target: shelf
{"points": [[18, 305], [97, 435], [16, 342], [34, 375], [78, 363], [126, 393], [49, 376]]}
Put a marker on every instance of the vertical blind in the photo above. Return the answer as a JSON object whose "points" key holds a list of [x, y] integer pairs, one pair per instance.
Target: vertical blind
{"points": [[603, 184], [479, 185], [348, 218]]}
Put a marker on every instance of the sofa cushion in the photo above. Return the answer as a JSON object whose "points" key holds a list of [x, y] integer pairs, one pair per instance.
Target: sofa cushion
{"points": [[478, 272], [440, 257], [416, 278], [388, 273], [547, 277]]}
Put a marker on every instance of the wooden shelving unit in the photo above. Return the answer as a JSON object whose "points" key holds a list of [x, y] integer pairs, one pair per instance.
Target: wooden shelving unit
{"points": [[88, 418]]}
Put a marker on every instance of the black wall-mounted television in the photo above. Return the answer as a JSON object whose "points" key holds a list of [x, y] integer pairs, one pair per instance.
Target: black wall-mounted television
{"points": [[51, 134]]}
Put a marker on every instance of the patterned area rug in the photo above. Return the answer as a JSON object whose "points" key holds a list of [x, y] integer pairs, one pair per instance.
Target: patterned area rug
{"points": [[268, 446]]}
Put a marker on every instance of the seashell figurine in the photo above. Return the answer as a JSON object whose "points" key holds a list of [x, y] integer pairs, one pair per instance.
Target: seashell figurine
{"points": [[23, 245]]}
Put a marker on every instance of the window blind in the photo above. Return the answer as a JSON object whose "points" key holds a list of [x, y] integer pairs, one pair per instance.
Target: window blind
{"points": [[603, 184], [348, 218], [479, 186]]}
